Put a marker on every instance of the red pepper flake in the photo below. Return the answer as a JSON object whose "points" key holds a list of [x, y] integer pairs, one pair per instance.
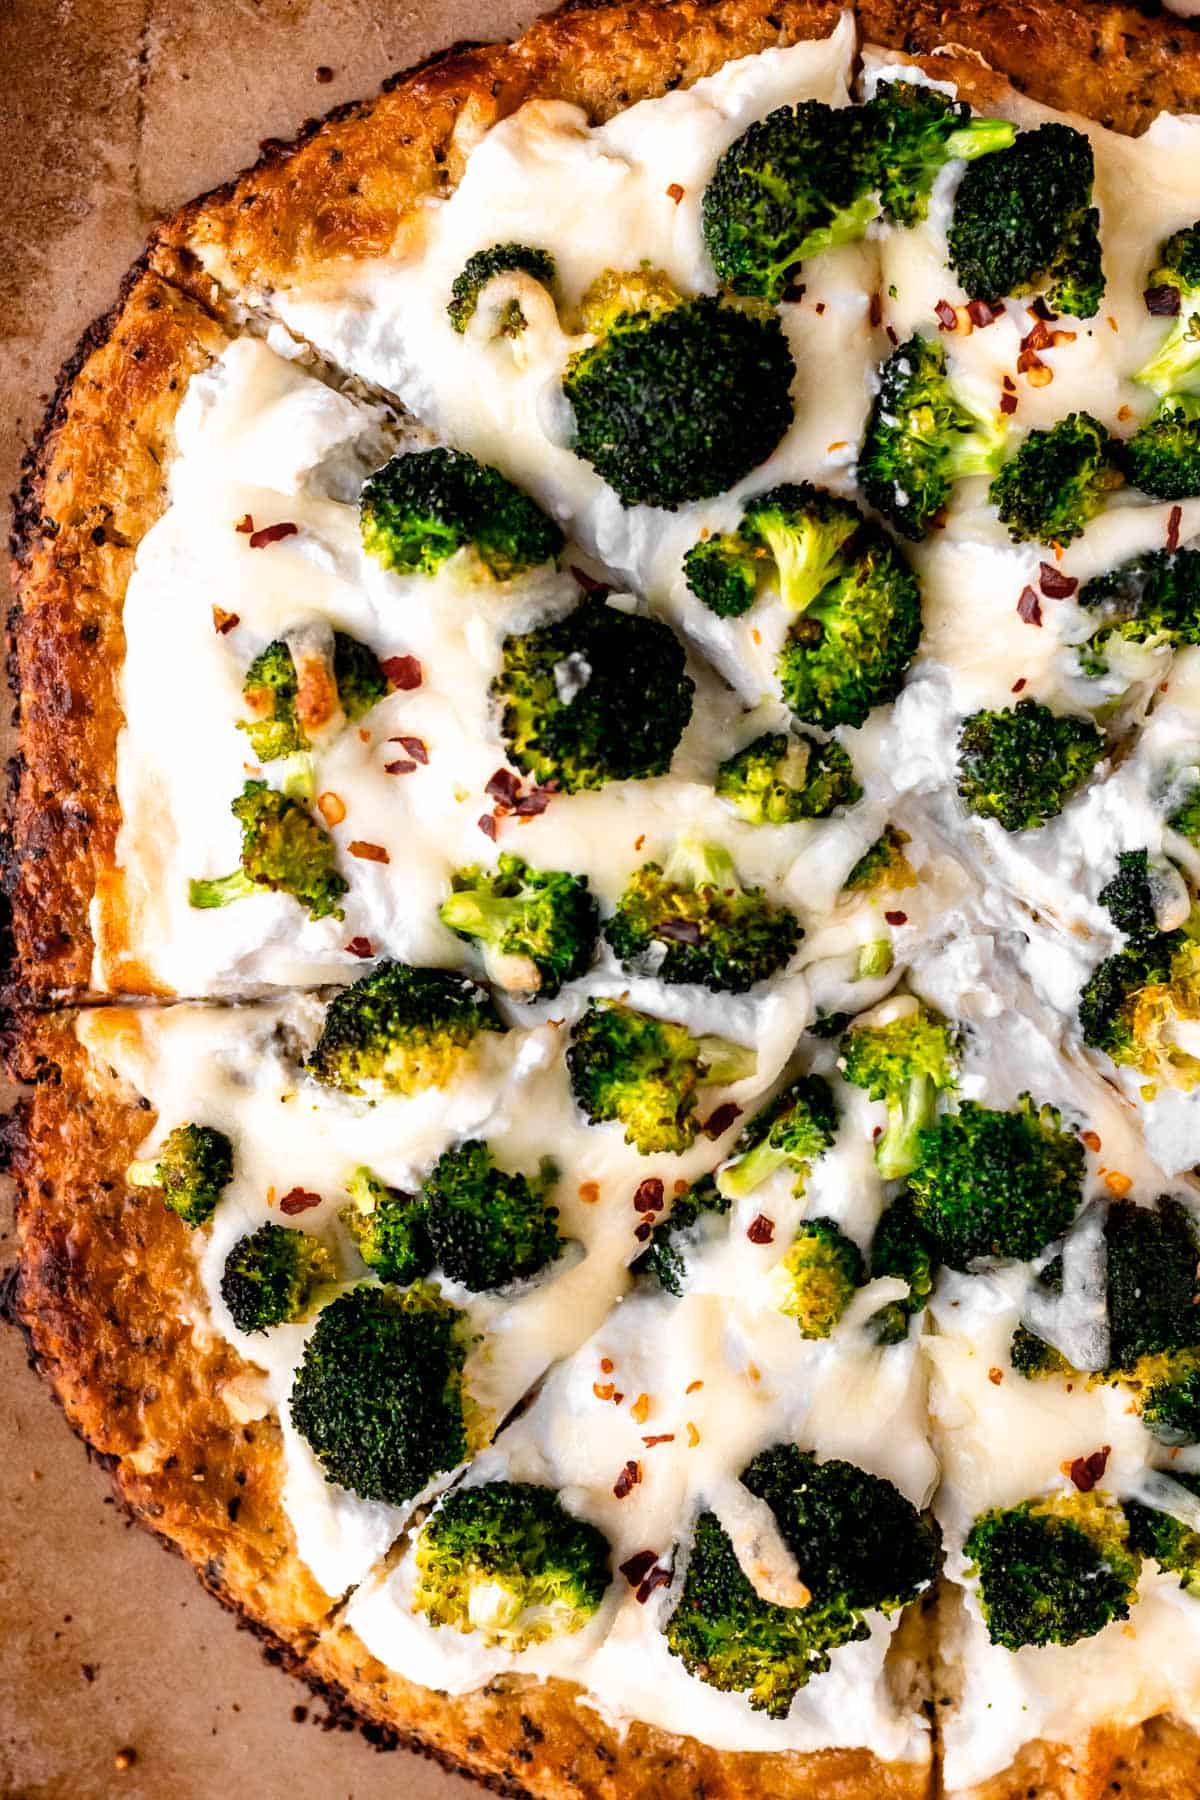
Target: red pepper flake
{"points": [[982, 312], [675, 192], [995, 1376], [664, 1437], [819, 308], [875, 310], [650, 1196], [1091, 1139], [415, 747], [607, 1365], [503, 786], [896, 918], [1041, 310], [1009, 385], [627, 1480], [589, 583], [368, 852], [679, 931], [1174, 520], [643, 1231], [272, 534], [947, 316], [1029, 607], [360, 946], [533, 803], [403, 672], [324, 74], [297, 1201], [638, 1567], [658, 1577], [1018, 685], [400, 768], [760, 1230], [224, 622], [1008, 404], [719, 1121], [1086, 1471], [1054, 584], [893, 337], [245, 524], [794, 292], [487, 825], [1162, 301]]}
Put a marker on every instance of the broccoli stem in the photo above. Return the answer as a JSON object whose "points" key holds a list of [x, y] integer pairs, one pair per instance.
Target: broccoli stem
{"points": [[750, 1171], [1175, 366], [296, 777], [481, 916], [874, 960], [695, 864], [223, 891], [896, 1151], [804, 557], [722, 1061], [979, 138]]}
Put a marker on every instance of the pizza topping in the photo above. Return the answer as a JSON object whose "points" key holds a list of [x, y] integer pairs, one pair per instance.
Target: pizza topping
{"points": [[649, 1197], [638, 1567], [947, 316], [719, 1120], [1086, 1471], [403, 672], [760, 1229], [627, 1480], [1029, 607], [272, 534], [1163, 301], [224, 622], [360, 946], [1174, 520], [298, 1200], [1054, 584]]}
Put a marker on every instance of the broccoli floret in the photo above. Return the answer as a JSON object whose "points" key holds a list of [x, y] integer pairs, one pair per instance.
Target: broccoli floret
{"points": [[921, 438], [815, 1282], [883, 867], [916, 131], [795, 183], [271, 693], [781, 778], [601, 695], [792, 1132], [730, 1638], [424, 505], [191, 1168], [693, 921], [404, 1028], [488, 1228], [1152, 1255], [388, 1228], [1024, 220], [1052, 1571], [1132, 1003], [1056, 481], [901, 1248], [1171, 1410], [1174, 1546], [791, 535], [1162, 457], [646, 1073], [508, 1561], [1153, 599], [537, 927], [993, 1183], [908, 1062], [1022, 764], [1030, 1355], [379, 1395], [1128, 896], [679, 402], [270, 1274], [284, 851], [1174, 288], [484, 266], [692, 1221]]}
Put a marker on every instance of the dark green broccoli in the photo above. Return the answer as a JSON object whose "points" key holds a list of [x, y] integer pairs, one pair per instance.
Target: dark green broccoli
{"points": [[907, 1063], [792, 536], [1162, 457], [1128, 897], [646, 1073], [792, 1132], [1052, 1571], [1132, 1003], [404, 1028], [1153, 599], [1171, 1409], [1186, 818], [1024, 221], [883, 867], [424, 505], [388, 1228], [693, 1221], [284, 851], [795, 183], [781, 777], [693, 921], [601, 695], [536, 927], [916, 131], [270, 1274], [272, 695], [1021, 764], [191, 1168], [1056, 481], [901, 1248], [1174, 1546], [726, 1635], [508, 1561], [1030, 1355], [815, 1281], [1173, 291], [1152, 1280], [484, 266], [993, 1183], [921, 438], [488, 1228], [676, 401], [379, 1395]]}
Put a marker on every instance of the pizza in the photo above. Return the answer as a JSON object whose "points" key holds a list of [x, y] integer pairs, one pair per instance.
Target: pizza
{"points": [[603, 862]]}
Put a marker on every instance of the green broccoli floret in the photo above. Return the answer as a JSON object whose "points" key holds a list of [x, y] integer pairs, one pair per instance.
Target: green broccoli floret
{"points": [[424, 505], [1052, 1571], [1173, 291], [908, 1062], [916, 132], [1162, 457], [284, 851], [270, 1274], [1171, 1409], [1056, 481], [921, 438], [191, 1168], [815, 1282], [271, 693], [388, 1228], [508, 1561], [883, 867], [792, 536], [901, 1248], [677, 402], [795, 183], [993, 1183], [792, 1132], [1132, 1003], [1030, 1355], [484, 266], [379, 1395], [1153, 599], [1024, 221], [1128, 896], [488, 1228], [781, 778], [537, 927], [692, 1222], [1174, 1546], [404, 1028], [646, 1073], [1152, 1280], [693, 921], [601, 695], [727, 1636], [1021, 764]]}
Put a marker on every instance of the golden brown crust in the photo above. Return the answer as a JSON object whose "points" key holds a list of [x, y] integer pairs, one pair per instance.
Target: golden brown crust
{"points": [[1157, 1760]]}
